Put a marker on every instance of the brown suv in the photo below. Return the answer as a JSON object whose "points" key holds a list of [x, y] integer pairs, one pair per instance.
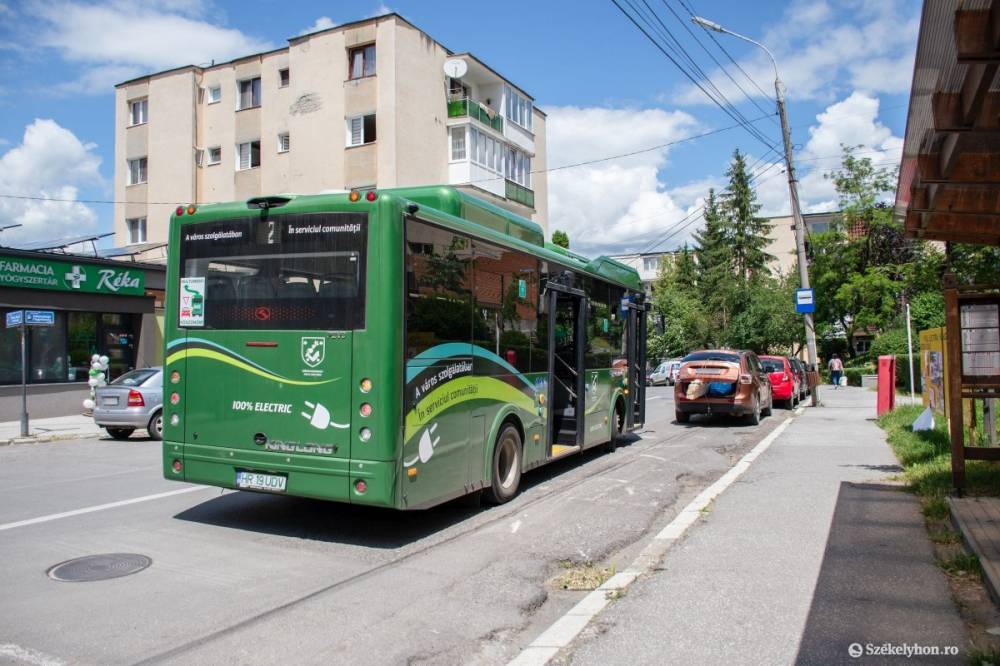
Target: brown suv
{"points": [[722, 381]]}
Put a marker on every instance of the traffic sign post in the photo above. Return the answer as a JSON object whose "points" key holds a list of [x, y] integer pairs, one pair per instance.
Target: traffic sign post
{"points": [[22, 319], [804, 303]]}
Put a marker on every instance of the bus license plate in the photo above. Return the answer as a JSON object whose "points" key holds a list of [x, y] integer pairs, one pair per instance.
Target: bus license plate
{"points": [[257, 481]]}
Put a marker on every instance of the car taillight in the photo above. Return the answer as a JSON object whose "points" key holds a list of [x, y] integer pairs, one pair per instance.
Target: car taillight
{"points": [[135, 399], [746, 379]]}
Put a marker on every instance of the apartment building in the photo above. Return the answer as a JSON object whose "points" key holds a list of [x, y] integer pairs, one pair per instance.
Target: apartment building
{"points": [[363, 105]]}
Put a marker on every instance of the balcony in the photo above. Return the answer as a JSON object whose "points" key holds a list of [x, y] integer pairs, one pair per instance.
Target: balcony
{"points": [[520, 194], [470, 107]]}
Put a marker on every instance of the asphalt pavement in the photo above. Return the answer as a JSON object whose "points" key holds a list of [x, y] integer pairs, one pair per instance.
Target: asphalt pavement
{"points": [[813, 556], [237, 577]]}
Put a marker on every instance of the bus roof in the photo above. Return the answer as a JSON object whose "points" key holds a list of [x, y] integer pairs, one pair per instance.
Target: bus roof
{"points": [[471, 210]]}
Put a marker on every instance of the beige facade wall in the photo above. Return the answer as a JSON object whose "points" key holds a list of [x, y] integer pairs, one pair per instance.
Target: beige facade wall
{"points": [[540, 177], [782, 245], [408, 94]]}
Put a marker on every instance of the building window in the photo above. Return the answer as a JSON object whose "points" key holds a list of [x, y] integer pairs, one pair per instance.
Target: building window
{"points": [[138, 112], [283, 78], [362, 61], [458, 143], [214, 94], [651, 263], [249, 94], [361, 130], [457, 89], [517, 167], [247, 155], [136, 227], [518, 108], [214, 155], [283, 142], [486, 151], [199, 157], [137, 171]]}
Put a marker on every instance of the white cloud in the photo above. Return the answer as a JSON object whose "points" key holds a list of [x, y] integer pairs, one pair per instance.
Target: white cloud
{"points": [[823, 52], [322, 23], [120, 36], [50, 162], [619, 204], [383, 9]]}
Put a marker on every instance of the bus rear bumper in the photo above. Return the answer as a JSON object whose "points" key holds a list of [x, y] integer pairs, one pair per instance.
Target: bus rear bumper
{"points": [[334, 479]]}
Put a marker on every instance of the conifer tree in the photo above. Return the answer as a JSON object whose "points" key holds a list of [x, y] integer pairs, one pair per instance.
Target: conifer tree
{"points": [[748, 232]]}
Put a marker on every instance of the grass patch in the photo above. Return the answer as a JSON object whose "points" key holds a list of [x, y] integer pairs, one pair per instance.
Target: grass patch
{"points": [[584, 577], [945, 537], [926, 460], [984, 657], [962, 564]]}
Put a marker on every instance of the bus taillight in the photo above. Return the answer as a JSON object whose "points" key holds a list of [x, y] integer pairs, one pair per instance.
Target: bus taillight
{"points": [[354, 196], [360, 486], [371, 196], [177, 466], [366, 385], [365, 434], [179, 211], [366, 409]]}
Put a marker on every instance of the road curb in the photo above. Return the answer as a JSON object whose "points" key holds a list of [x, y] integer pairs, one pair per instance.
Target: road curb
{"points": [[564, 630], [50, 437]]}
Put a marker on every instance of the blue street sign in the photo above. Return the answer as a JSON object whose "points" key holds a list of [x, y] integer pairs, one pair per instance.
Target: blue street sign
{"points": [[804, 303], [14, 318], [39, 317]]}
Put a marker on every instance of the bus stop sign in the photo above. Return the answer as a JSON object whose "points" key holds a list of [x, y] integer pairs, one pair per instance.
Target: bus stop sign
{"points": [[804, 303], [14, 318], [39, 317]]}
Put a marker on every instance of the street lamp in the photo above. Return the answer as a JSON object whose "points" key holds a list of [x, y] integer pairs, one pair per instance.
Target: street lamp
{"points": [[793, 188], [10, 226]]}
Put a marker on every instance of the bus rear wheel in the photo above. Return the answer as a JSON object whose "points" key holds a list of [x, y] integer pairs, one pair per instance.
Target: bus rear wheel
{"points": [[506, 467], [617, 428]]}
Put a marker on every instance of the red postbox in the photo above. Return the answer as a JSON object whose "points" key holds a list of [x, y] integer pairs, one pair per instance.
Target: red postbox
{"points": [[886, 384]]}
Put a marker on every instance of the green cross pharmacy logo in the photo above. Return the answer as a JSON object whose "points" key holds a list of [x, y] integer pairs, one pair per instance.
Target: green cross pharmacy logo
{"points": [[75, 277]]}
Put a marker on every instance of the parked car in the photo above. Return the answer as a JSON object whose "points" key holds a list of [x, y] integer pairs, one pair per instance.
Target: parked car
{"points": [[722, 381], [675, 370], [800, 369], [785, 382], [134, 400], [660, 375]]}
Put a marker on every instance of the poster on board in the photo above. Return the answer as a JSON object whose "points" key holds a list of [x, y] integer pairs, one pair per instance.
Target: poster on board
{"points": [[192, 302]]}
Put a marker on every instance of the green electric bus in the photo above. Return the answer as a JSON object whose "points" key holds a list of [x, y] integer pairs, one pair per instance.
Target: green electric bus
{"points": [[396, 348]]}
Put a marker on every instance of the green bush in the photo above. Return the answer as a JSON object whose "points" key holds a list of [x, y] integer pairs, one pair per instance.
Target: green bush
{"points": [[892, 341]]}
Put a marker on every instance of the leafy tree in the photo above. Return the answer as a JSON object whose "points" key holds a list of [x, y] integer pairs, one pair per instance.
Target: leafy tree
{"points": [[685, 269], [560, 238], [768, 323], [748, 232], [927, 311], [714, 256]]}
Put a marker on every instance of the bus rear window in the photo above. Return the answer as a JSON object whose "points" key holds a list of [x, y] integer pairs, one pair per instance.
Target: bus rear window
{"points": [[288, 272]]}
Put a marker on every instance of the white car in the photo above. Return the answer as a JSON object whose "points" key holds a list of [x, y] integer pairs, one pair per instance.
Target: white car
{"points": [[660, 376]]}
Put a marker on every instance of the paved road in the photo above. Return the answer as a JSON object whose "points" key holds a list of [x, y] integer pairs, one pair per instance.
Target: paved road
{"points": [[248, 578]]}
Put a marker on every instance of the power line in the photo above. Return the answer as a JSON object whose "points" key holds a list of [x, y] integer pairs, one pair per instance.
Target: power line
{"points": [[686, 73], [684, 24]]}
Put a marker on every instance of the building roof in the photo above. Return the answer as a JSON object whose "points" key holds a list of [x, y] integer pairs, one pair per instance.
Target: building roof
{"points": [[949, 180], [299, 38]]}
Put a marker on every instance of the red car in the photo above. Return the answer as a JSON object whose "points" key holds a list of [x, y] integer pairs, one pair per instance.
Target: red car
{"points": [[786, 384]]}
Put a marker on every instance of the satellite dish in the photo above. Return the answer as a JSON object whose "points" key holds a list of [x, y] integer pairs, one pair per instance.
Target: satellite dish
{"points": [[455, 68]]}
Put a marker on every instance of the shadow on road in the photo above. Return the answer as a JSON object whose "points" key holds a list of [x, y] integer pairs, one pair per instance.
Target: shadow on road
{"points": [[370, 527], [878, 583]]}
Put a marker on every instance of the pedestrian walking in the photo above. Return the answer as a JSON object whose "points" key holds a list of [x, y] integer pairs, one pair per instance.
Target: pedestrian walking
{"points": [[836, 370]]}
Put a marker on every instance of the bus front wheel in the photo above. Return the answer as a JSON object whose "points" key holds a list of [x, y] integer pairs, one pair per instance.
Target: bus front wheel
{"points": [[506, 468]]}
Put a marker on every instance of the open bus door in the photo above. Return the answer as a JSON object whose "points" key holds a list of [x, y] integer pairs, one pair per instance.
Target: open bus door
{"points": [[567, 319], [636, 348]]}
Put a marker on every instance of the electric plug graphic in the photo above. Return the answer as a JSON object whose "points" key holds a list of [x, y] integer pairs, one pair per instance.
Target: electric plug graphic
{"points": [[426, 447], [320, 417]]}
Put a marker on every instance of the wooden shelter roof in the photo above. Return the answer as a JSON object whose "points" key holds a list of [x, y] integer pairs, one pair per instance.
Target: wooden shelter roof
{"points": [[949, 179]]}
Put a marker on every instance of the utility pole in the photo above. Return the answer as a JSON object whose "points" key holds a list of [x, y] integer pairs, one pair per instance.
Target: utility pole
{"points": [[793, 191]]}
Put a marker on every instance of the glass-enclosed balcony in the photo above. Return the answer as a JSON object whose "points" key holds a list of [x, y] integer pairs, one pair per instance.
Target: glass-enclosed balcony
{"points": [[520, 194], [470, 107]]}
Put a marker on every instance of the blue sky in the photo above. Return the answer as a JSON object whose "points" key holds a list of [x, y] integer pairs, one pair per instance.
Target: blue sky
{"points": [[847, 65]]}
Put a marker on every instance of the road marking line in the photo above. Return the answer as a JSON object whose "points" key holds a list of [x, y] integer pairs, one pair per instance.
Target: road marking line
{"points": [[564, 630], [99, 507], [515, 526], [28, 656]]}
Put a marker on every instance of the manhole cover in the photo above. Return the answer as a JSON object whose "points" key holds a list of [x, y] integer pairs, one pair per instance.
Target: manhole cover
{"points": [[99, 567]]}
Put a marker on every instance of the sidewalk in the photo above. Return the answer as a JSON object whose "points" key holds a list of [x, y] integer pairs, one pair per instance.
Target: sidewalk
{"points": [[813, 549], [44, 430]]}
